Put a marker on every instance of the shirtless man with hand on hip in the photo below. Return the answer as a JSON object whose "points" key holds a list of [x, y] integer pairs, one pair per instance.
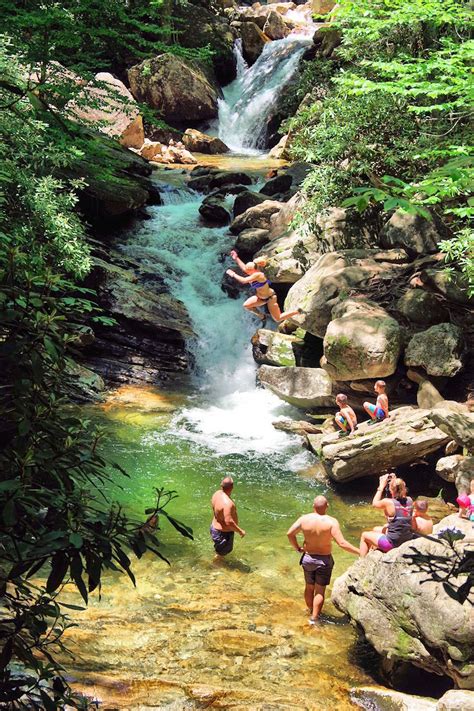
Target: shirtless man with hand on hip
{"points": [[225, 521], [319, 530]]}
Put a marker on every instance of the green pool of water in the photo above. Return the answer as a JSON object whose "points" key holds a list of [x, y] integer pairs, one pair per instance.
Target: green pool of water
{"points": [[236, 631]]}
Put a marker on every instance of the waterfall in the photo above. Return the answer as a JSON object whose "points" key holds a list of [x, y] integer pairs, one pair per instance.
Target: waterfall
{"points": [[228, 413], [252, 97]]}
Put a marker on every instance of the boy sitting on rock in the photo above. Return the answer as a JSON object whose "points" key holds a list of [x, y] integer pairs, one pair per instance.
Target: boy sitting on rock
{"points": [[346, 419], [379, 411]]}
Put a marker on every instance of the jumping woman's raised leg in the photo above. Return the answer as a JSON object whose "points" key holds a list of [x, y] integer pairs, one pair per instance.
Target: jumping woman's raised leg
{"points": [[252, 305], [276, 313]]}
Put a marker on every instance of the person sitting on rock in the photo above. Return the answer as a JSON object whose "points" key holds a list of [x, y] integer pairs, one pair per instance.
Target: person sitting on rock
{"points": [[346, 418], [399, 512], [422, 521], [379, 411], [466, 503], [264, 294]]}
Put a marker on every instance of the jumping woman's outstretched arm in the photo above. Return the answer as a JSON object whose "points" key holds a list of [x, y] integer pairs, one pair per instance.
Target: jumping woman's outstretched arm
{"points": [[237, 260], [245, 280]]}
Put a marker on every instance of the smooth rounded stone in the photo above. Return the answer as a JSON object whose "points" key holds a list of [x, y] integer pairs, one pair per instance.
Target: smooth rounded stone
{"points": [[427, 396], [250, 241], [274, 348], [274, 27], [224, 179], [332, 276], [150, 149], [408, 435], [246, 200], [456, 700], [253, 41], [199, 142], [301, 387], [214, 210], [448, 467], [258, 216], [279, 184], [439, 350], [362, 341], [179, 89], [414, 233], [405, 614], [453, 286], [423, 307], [372, 697], [458, 423]]}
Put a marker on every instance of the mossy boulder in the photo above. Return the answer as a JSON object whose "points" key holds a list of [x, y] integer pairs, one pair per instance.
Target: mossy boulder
{"points": [[273, 348], [439, 350], [422, 307], [362, 341]]}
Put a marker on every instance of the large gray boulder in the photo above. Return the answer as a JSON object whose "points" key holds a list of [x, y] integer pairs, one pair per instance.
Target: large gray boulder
{"points": [[409, 434], [439, 350], [453, 286], [250, 241], [457, 469], [301, 387], [275, 27], [405, 614], [456, 700], [422, 307], [256, 217], [247, 199], [253, 41], [414, 233], [457, 423], [362, 341], [179, 89], [332, 277]]}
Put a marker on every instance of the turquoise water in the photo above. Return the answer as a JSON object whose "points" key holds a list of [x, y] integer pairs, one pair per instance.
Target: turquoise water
{"points": [[236, 632]]}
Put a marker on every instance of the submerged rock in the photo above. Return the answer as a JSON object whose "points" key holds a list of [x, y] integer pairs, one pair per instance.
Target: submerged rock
{"points": [[405, 614], [362, 341], [439, 350], [214, 209], [179, 89], [409, 434], [199, 142], [301, 387]]}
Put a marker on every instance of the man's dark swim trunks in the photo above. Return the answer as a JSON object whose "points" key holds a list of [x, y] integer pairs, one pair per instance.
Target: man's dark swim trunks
{"points": [[317, 568], [223, 540]]}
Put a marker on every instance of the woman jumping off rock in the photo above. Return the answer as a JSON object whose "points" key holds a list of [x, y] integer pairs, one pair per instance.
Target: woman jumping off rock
{"points": [[264, 294]]}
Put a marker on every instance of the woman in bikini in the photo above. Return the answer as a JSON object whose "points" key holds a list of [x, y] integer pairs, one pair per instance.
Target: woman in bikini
{"points": [[264, 294]]}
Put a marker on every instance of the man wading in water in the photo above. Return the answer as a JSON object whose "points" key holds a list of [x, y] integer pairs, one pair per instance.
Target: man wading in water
{"points": [[225, 521], [318, 530]]}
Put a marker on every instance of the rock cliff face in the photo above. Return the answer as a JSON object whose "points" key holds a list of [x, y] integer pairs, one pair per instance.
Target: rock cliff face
{"points": [[147, 344], [405, 614]]}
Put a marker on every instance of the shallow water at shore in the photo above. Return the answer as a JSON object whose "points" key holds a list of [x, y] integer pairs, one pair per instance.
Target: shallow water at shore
{"points": [[234, 632]]}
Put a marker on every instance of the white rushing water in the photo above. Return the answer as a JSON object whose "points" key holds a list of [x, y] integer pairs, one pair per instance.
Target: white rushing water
{"points": [[228, 414], [251, 98]]}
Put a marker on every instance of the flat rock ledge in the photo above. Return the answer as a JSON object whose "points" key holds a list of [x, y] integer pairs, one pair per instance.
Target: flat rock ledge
{"points": [[408, 617], [407, 435]]}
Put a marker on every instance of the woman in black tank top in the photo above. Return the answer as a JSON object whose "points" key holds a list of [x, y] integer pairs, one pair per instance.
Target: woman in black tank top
{"points": [[398, 510]]}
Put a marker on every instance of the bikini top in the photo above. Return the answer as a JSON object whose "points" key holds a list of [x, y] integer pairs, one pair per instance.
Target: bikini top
{"points": [[259, 284]]}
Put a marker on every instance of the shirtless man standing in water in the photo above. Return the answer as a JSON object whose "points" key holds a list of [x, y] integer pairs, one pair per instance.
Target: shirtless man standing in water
{"points": [[319, 530], [225, 521]]}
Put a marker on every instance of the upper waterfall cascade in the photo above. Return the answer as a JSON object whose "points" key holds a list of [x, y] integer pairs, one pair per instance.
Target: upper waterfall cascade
{"points": [[250, 100]]}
